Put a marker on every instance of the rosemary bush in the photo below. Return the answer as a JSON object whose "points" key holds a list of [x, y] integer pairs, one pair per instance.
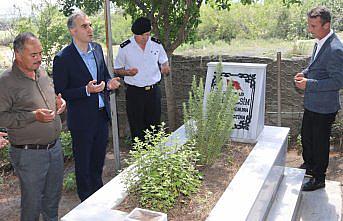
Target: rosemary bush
{"points": [[5, 164], [69, 182], [210, 123], [161, 174]]}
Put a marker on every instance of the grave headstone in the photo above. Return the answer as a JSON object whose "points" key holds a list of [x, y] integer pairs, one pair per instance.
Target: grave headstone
{"points": [[249, 80]]}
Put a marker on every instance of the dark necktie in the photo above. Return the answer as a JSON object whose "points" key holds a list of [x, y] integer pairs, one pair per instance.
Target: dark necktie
{"points": [[314, 51]]}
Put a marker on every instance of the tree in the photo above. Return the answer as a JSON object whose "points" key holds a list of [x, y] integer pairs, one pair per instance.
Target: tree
{"points": [[48, 23], [173, 22]]}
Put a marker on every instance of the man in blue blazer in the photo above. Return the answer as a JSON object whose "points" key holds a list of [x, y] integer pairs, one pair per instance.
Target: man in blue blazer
{"points": [[321, 81], [81, 76]]}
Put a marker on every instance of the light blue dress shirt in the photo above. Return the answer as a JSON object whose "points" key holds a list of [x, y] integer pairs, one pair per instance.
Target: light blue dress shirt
{"points": [[88, 58]]}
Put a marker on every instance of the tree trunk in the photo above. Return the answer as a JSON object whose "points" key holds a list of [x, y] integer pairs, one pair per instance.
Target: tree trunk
{"points": [[171, 103]]}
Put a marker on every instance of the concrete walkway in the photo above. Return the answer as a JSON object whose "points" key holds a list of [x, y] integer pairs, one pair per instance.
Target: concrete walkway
{"points": [[332, 194], [323, 204]]}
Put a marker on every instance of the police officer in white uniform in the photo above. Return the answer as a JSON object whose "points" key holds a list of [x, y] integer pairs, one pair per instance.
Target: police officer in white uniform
{"points": [[141, 60]]}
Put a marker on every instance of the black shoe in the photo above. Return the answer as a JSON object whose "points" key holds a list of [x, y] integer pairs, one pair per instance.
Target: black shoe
{"points": [[303, 166], [309, 173], [313, 184]]}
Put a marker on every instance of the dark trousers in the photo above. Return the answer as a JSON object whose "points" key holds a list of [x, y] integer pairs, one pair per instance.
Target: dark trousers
{"points": [[143, 109], [89, 149], [40, 174], [315, 139]]}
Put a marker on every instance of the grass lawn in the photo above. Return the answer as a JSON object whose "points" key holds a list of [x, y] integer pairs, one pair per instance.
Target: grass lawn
{"points": [[237, 47], [247, 47]]}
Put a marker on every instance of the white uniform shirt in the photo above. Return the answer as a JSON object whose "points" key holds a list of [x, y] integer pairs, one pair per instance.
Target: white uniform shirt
{"points": [[321, 42], [130, 55]]}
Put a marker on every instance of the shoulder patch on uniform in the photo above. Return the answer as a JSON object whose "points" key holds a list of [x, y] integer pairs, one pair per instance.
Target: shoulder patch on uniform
{"points": [[125, 43], [156, 40]]}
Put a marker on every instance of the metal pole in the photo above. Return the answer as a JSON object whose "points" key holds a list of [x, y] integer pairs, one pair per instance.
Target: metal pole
{"points": [[113, 102], [279, 89]]}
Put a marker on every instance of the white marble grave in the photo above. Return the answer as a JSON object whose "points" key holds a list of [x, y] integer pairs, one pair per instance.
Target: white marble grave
{"points": [[249, 80], [261, 190], [249, 193]]}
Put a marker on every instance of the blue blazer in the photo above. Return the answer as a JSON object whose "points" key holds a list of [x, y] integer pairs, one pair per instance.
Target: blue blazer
{"points": [[325, 78], [71, 75]]}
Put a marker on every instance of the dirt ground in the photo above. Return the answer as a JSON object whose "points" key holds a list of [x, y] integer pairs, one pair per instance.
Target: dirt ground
{"points": [[335, 169], [10, 192], [215, 180]]}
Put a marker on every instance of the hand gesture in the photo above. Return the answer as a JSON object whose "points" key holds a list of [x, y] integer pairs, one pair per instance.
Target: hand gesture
{"points": [[300, 83], [44, 115], [298, 76], [3, 141], [132, 71], [92, 87], [60, 104], [113, 83]]}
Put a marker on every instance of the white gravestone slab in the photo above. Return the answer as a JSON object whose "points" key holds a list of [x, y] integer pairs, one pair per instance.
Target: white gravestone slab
{"points": [[249, 80]]}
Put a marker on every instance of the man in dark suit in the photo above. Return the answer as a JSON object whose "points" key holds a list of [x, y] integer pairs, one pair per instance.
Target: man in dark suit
{"points": [[81, 76], [321, 81]]}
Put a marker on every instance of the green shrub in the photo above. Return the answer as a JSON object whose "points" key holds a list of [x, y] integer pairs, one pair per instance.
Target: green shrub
{"points": [[213, 124], [121, 27], [161, 173], [215, 25], [5, 164], [49, 24], [4, 154], [67, 145], [69, 182], [5, 38], [272, 19]]}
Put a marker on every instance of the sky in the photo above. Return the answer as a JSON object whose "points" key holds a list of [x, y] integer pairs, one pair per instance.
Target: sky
{"points": [[13, 8], [8, 8]]}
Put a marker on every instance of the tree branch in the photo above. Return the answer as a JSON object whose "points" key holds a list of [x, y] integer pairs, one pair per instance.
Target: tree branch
{"points": [[141, 5], [182, 33], [154, 21], [166, 23]]}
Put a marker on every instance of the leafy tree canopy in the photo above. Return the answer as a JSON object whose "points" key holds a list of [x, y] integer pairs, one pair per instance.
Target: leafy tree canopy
{"points": [[173, 21], [49, 25]]}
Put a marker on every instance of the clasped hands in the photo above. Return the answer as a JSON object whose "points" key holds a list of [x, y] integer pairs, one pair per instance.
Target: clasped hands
{"points": [[93, 87], [165, 69], [300, 81], [46, 115]]}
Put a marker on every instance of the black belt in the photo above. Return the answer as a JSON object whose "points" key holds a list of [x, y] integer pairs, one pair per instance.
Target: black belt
{"points": [[102, 109], [36, 146], [146, 88]]}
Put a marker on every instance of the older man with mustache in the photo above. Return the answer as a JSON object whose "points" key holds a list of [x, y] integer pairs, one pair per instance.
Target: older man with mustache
{"points": [[30, 111]]}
